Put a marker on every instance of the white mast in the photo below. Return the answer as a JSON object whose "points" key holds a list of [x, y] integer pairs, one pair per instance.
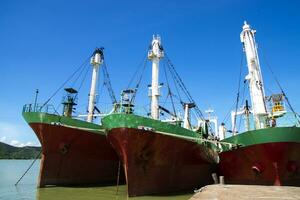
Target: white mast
{"points": [[96, 61], [155, 54], [254, 77]]}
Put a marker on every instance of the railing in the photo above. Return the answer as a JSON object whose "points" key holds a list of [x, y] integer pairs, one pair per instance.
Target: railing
{"points": [[287, 120], [144, 110], [137, 110], [48, 108]]}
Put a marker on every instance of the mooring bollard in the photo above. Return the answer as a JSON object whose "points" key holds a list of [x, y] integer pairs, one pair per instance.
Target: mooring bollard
{"points": [[215, 178], [222, 180]]}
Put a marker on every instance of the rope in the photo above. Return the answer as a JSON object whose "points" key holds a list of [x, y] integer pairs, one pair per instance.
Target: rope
{"points": [[79, 74], [280, 87], [107, 83], [37, 157], [99, 89], [118, 177], [137, 70], [228, 113], [238, 94], [169, 90], [82, 81], [65, 82], [183, 87], [139, 82], [178, 93], [180, 83]]}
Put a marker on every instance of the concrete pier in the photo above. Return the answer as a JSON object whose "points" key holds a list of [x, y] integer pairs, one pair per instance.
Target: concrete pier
{"points": [[243, 192]]}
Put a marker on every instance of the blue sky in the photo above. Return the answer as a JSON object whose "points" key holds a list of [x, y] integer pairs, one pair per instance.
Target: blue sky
{"points": [[43, 42]]}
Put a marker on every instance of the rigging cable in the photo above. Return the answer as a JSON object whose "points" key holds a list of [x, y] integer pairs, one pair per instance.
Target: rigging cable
{"points": [[179, 81], [81, 83], [65, 82], [139, 82], [176, 87], [183, 87], [79, 74], [228, 113], [107, 83], [137, 70], [238, 94], [297, 116], [169, 89]]}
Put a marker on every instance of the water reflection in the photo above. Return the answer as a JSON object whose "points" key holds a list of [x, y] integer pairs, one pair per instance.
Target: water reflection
{"points": [[99, 193], [11, 171]]}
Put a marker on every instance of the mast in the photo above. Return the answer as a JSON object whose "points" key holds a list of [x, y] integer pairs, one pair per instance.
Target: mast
{"points": [[35, 100], [254, 77], [96, 61], [155, 54]]}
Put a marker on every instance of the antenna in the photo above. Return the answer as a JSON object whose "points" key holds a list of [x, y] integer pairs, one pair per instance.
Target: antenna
{"points": [[35, 99]]}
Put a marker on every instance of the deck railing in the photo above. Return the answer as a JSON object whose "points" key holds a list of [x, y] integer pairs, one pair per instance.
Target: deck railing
{"points": [[48, 108]]}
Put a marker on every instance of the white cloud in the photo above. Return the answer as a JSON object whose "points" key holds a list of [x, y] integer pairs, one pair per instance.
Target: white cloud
{"points": [[18, 135], [29, 144], [2, 139], [16, 143]]}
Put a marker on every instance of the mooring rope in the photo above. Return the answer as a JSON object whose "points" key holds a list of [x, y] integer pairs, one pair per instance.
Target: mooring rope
{"points": [[37, 157], [118, 178]]}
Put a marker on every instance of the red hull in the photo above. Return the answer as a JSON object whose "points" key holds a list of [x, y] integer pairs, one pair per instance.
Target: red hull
{"points": [[262, 164], [158, 164], [75, 157]]}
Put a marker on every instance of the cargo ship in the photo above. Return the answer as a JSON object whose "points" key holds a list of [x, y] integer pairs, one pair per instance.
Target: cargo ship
{"points": [[75, 151], [267, 152], [161, 156]]}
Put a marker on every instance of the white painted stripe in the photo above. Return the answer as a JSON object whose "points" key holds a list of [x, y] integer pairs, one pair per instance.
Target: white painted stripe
{"points": [[100, 131]]}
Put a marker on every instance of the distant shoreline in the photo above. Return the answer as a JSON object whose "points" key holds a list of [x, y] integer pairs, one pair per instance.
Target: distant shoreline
{"points": [[10, 152], [19, 158]]}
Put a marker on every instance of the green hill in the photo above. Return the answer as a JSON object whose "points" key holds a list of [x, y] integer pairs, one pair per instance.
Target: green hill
{"points": [[11, 152]]}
